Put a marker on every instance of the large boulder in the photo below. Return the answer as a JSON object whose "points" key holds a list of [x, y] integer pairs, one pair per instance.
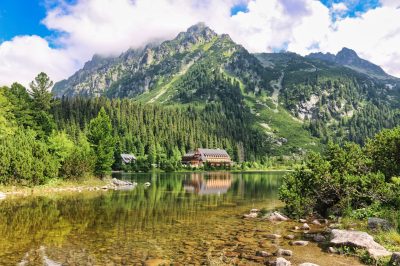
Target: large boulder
{"points": [[379, 224], [360, 240], [395, 260]]}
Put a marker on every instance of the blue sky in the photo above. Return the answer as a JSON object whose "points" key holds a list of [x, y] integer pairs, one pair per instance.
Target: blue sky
{"points": [[110, 27], [23, 17]]}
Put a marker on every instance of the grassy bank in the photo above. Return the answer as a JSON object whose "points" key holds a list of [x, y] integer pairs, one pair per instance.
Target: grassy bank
{"points": [[55, 186]]}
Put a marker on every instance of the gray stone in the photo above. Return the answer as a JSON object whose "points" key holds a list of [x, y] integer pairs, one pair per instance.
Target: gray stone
{"points": [[299, 243], [302, 220], [290, 237], [379, 224], [250, 215], [332, 250], [2, 196], [263, 254], [319, 238], [305, 226], [121, 183], [280, 262], [316, 222], [276, 217], [308, 264], [395, 259], [273, 236], [360, 240], [283, 252]]}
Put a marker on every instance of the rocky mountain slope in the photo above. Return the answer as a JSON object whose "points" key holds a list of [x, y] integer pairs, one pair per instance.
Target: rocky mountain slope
{"points": [[295, 100]]}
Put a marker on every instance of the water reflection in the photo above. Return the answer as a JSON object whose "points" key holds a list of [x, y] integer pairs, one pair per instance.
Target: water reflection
{"points": [[208, 183], [126, 227]]}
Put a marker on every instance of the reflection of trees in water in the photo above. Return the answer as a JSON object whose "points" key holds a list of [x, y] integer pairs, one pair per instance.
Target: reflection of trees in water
{"points": [[126, 219]]}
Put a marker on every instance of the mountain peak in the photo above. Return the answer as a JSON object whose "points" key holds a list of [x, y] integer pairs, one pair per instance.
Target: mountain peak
{"points": [[349, 58], [347, 54]]}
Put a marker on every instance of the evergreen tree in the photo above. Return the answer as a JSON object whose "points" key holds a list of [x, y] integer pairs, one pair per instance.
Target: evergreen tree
{"points": [[101, 138], [40, 92]]}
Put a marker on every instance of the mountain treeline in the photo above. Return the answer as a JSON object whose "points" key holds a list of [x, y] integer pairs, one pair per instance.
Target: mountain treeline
{"points": [[165, 133], [43, 138]]}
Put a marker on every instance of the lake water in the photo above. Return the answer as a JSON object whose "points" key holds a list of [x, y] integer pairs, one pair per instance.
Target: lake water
{"points": [[180, 219]]}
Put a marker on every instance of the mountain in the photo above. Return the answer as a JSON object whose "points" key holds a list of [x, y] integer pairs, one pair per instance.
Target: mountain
{"points": [[296, 102], [153, 69], [349, 58]]}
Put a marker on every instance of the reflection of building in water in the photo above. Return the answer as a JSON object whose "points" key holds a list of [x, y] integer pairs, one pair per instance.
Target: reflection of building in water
{"points": [[213, 183], [213, 157]]}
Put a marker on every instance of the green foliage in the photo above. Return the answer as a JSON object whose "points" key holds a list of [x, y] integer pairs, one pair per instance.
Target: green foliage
{"points": [[341, 179], [80, 161], [101, 138], [26, 160], [384, 151], [40, 92]]}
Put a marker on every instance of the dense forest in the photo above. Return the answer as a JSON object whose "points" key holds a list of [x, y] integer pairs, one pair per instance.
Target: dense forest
{"points": [[42, 137]]}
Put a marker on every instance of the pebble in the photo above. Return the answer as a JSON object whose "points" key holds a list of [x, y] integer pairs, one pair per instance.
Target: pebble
{"points": [[273, 236], [284, 252], [263, 253], [290, 237], [299, 243], [316, 222]]}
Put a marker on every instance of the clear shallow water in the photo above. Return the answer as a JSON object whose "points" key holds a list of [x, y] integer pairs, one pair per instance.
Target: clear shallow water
{"points": [[183, 218]]}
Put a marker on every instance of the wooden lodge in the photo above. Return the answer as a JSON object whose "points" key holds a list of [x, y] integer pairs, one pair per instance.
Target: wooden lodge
{"points": [[128, 158], [212, 157]]}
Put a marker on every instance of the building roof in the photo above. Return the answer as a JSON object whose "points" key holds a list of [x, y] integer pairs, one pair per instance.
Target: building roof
{"points": [[213, 152], [127, 158]]}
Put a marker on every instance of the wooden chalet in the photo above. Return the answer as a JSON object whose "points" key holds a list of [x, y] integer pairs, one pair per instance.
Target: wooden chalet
{"points": [[212, 157], [128, 158]]}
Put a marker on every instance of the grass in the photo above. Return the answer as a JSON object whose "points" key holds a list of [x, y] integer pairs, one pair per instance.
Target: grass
{"points": [[53, 186]]}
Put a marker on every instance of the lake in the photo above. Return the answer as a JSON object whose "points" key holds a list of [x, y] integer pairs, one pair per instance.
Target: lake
{"points": [[181, 218]]}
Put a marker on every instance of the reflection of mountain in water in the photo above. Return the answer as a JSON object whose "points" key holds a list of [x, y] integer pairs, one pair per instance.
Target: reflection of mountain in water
{"points": [[213, 183]]}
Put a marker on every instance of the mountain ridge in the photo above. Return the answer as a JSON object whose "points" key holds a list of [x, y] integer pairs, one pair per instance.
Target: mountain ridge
{"points": [[290, 98]]}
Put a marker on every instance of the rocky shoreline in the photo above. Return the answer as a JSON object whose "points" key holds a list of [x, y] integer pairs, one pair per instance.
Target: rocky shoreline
{"points": [[323, 232], [99, 185]]}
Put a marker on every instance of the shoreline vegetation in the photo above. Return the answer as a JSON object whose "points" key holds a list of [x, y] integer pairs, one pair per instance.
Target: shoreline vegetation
{"points": [[358, 184]]}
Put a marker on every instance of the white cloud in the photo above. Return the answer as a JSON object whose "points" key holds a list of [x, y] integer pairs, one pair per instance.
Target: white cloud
{"points": [[22, 58], [113, 26]]}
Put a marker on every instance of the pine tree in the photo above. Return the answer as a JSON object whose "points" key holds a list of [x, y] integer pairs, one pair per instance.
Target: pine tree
{"points": [[101, 138]]}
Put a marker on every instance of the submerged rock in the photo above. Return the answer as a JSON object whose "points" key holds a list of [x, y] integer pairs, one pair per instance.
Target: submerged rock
{"points": [[276, 216], [319, 238], [395, 259], [283, 252], [360, 240], [299, 243], [305, 226], [263, 254], [290, 237], [273, 236], [379, 224], [250, 215], [279, 262]]}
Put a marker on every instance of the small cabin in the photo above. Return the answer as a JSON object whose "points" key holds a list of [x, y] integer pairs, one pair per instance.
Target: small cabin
{"points": [[212, 157], [128, 158]]}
